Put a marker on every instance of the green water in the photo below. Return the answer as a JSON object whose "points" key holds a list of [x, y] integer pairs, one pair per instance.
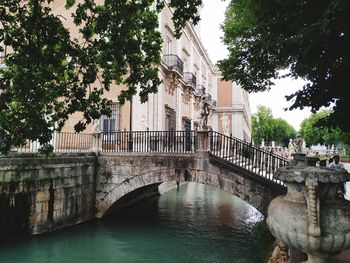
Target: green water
{"points": [[198, 223]]}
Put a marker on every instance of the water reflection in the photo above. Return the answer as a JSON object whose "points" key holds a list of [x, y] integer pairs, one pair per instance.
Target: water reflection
{"points": [[198, 223]]}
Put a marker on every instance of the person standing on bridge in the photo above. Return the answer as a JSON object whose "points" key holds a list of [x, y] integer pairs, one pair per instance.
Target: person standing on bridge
{"points": [[336, 164]]}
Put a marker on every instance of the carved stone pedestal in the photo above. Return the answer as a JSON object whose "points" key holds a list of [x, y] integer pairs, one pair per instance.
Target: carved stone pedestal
{"points": [[311, 217]]}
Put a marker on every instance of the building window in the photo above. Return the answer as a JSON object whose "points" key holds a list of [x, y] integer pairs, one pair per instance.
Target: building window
{"points": [[170, 119], [169, 46], [111, 124]]}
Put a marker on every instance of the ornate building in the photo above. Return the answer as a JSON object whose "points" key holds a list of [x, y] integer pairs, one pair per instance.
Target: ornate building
{"points": [[233, 111], [186, 73]]}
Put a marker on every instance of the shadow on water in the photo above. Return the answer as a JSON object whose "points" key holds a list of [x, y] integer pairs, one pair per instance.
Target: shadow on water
{"points": [[195, 224]]}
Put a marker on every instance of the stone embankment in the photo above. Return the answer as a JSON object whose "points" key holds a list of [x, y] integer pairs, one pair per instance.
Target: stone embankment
{"points": [[39, 194]]}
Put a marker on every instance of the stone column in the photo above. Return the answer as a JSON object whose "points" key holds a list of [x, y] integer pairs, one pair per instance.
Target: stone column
{"points": [[203, 141]]}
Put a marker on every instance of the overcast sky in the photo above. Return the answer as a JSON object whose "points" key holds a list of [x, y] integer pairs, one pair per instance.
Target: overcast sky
{"points": [[212, 16]]}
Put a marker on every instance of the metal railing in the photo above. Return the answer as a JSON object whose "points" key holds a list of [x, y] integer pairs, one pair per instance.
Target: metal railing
{"points": [[190, 78], [150, 141], [245, 155], [200, 90], [174, 62], [61, 142]]}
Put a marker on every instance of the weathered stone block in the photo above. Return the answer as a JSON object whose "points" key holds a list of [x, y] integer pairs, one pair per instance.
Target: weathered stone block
{"points": [[42, 196]]}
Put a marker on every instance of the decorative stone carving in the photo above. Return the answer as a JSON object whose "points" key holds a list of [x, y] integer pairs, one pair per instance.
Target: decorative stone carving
{"points": [[311, 217], [172, 83], [96, 133], [186, 95], [144, 123], [225, 122], [298, 144], [197, 103], [205, 112]]}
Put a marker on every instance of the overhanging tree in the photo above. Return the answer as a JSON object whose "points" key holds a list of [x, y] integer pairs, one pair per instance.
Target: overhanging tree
{"points": [[310, 38], [49, 75]]}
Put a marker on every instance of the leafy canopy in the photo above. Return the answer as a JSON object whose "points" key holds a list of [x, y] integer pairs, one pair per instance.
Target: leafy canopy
{"points": [[313, 134], [310, 38], [50, 74]]}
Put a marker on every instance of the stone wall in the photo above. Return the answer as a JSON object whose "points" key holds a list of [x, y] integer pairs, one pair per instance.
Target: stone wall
{"points": [[119, 175], [39, 194]]}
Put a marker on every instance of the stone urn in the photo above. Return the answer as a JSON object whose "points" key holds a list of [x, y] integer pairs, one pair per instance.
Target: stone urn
{"points": [[310, 216]]}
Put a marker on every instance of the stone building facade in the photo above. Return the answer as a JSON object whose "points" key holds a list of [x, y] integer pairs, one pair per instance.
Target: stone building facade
{"points": [[233, 110], [186, 72]]}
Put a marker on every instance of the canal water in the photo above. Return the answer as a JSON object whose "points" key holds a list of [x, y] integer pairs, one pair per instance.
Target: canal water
{"points": [[196, 223]]}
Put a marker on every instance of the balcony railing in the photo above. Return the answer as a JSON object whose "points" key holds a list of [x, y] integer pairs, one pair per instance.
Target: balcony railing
{"points": [[61, 142], [190, 78], [174, 63], [150, 141], [200, 90]]}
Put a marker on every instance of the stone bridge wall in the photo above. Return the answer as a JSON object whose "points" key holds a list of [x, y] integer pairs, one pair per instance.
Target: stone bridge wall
{"points": [[39, 194], [118, 176]]}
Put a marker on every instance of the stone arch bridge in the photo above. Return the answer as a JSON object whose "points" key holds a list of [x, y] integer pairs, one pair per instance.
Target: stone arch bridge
{"points": [[120, 175], [39, 194]]}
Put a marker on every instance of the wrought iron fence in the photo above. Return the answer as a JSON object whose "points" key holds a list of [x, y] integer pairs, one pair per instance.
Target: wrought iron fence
{"points": [[61, 142], [190, 78], [245, 155], [150, 141], [174, 62]]}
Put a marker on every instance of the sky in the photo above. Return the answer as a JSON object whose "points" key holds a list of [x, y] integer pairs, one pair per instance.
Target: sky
{"points": [[213, 15]]}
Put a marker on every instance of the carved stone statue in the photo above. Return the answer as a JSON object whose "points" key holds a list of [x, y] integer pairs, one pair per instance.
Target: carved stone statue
{"points": [[96, 132], [144, 123], [225, 122], [205, 112], [298, 144], [311, 217], [96, 127]]}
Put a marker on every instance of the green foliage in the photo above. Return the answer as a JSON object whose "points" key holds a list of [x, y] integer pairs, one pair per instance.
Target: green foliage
{"points": [[49, 74], [262, 125], [265, 127], [313, 132], [310, 38], [283, 131]]}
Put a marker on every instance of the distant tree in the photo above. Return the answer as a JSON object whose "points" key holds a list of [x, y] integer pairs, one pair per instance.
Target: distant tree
{"points": [[262, 125], [283, 131], [309, 38], [265, 127], [313, 133]]}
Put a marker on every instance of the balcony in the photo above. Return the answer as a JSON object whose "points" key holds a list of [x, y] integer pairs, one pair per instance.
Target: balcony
{"points": [[190, 79], [200, 90], [174, 63]]}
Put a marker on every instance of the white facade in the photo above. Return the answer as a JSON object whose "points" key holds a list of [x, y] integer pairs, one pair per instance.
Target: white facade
{"points": [[186, 71]]}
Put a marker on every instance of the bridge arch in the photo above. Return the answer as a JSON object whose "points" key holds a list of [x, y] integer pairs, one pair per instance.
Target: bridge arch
{"points": [[119, 176]]}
